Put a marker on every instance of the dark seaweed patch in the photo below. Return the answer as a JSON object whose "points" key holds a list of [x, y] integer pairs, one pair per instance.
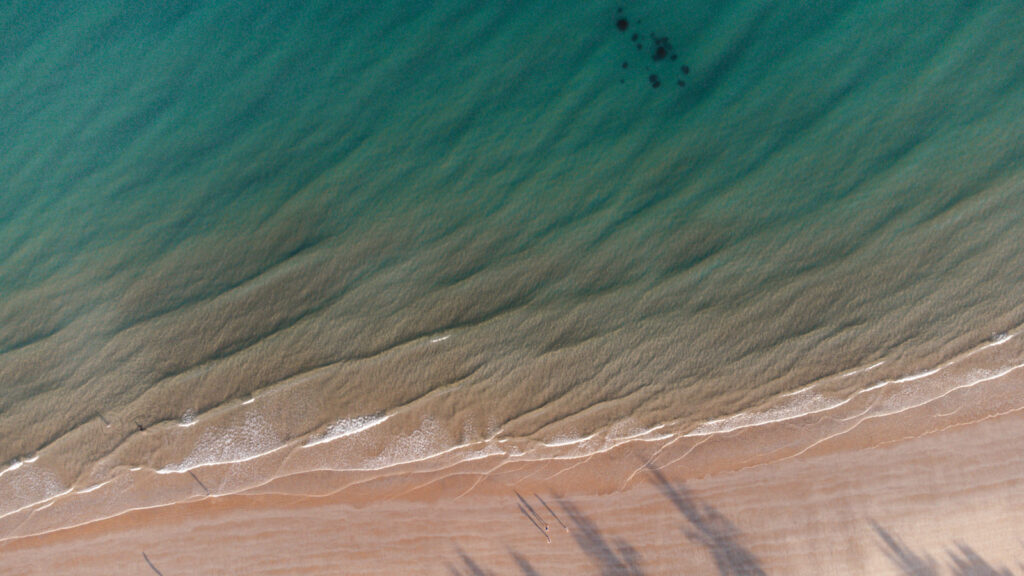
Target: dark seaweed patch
{"points": [[660, 51]]}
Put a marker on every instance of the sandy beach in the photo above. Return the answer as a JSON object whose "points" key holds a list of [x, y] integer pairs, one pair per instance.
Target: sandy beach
{"points": [[932, 489]]}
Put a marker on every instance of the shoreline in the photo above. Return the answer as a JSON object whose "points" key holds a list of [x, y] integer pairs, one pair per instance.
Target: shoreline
{"points": [[890, 471], [790, 426]]}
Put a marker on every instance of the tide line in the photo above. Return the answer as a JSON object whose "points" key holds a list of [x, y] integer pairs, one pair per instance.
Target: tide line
{"points": [[14, 466], [37, 502], [94, 487], [349, 427], [181, 469], [567, 441]]}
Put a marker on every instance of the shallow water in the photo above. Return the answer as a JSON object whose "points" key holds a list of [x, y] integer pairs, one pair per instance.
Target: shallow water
{"points": [[379, 231]]}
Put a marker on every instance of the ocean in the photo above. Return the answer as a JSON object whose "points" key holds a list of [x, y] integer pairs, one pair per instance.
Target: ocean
{"points": [[252, 239]]}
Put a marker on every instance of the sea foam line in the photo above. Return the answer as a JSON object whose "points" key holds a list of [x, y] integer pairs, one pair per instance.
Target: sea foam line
{"points": [[36, 503], [188, 420], [748, 420], [417, 460], [637, 434], [94, 487], [180, 468], [567, 441], [49, 501], [771, 416], [860, 370], [16, 464], [918, 376], [347, 427], [12, 467], [86, 522], [1002, 339], [885, 414]]}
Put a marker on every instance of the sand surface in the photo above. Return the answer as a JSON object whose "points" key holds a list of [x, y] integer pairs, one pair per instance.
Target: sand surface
{"points": [[934, 489]]}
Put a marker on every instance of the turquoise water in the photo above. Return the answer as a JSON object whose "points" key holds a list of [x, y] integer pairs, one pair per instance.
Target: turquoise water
{"points": [[466, 223]]}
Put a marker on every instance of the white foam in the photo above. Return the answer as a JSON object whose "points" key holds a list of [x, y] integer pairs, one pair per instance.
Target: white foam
{"points": [[485, 452], [347, 427], [881, 384], [860, 370], [797, 392], [192, 465], [251, 440], [635, 433], [14, 466], [49, 499], [32, 459], [607, 445], [425, 443], [249, 401], [440, 339], [820, 404], [188, 419], [910, 378], [94, 487], [566, 441], [794, 409], [1001, 339], [917, 376]]}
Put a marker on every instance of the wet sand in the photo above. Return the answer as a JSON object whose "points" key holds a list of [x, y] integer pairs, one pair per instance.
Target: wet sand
{"points": [[932, 489]]}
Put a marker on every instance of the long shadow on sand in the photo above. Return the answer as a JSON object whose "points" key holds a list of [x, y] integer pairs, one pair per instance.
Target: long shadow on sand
{"points": [[962, 561], [616, 557], [469, 566], [613, 557], [705, 526], [710, 529]]}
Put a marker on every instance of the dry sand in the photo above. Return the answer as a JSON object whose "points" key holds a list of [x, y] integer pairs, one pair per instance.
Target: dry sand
{"points": [[936, 489]]}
